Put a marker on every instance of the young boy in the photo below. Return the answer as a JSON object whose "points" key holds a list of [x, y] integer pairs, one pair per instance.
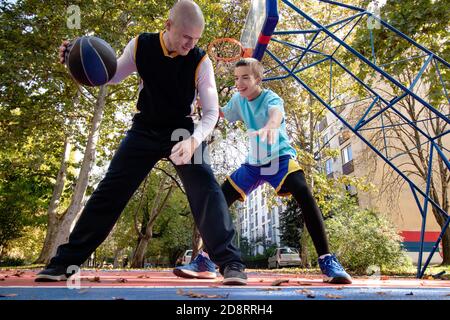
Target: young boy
{"points": [[271, 159]]}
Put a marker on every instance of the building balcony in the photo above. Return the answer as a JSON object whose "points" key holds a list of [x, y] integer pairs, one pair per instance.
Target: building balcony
{"points": [[344, 136], [348, 167], [323, 124]]}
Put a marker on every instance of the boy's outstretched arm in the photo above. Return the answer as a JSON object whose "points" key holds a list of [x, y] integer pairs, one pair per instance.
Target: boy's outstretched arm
{"points": [[270, 130]]}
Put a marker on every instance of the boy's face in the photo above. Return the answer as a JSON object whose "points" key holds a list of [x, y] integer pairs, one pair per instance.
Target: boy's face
{"points": [[246, 82], [183, 36]]}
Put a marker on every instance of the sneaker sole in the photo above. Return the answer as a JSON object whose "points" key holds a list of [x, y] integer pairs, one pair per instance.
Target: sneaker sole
{"points": [[337, 280], [48, 278], [234, 282], [194, 275]]}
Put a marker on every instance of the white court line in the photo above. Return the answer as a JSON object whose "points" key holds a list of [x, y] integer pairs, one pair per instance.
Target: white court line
{"points": [[261, 288]]}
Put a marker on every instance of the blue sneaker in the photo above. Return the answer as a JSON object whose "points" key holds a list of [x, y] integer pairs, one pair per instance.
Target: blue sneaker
{"points": [[333, 271], [201, 268]]}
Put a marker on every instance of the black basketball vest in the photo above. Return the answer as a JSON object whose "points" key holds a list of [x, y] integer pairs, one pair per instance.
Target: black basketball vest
{"points": [[168, 84]]}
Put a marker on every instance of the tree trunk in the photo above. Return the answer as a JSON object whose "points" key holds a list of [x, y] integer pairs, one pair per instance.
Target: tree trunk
{"points": [[445, 238], [74, 209], [157, 208], [197, 242], [446, 248], [139, 254], [52, 212], [304, 253]]}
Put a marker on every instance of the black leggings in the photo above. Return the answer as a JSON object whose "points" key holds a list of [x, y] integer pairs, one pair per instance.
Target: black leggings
{"points": [[295, 184]]}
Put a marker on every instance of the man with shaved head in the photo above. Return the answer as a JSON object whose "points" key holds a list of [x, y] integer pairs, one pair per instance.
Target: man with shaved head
{"points": [[173, 71]]}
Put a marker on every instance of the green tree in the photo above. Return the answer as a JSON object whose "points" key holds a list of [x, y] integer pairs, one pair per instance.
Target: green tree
{"points": [[291, 225]]}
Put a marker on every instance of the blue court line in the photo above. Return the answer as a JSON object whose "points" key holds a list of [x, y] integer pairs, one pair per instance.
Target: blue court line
{"points": [[223, 293]]}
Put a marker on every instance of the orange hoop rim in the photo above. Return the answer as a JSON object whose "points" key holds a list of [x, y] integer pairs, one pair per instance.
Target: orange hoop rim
{"points": [[226, 59]]}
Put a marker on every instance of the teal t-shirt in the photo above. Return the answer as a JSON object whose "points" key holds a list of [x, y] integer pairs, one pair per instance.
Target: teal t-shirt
{"points": [[255, 115]]}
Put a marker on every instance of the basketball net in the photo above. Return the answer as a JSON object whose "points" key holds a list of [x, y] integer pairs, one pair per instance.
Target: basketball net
{"points": [[225, 52]]}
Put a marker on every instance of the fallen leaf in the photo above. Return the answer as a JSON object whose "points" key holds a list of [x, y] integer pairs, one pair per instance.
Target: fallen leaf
{"points": [[261, 280], [384, 278], [304, 283], [8, 295], [95, 279], [200, 295], [340, 288], [409, 294], [2, 279], [18, 273], [121, 280], [279, 282], [381, 293], [308, 293], [333, 296]]}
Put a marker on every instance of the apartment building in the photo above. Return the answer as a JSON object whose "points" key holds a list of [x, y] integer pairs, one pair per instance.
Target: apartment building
{"points": [[403, 211], [258, 221]]}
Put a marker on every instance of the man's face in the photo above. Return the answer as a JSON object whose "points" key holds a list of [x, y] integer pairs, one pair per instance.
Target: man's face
{"points": [[182, 36], [246, 82]]}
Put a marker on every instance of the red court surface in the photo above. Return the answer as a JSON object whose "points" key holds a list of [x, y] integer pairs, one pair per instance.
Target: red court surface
{"points": [[165, 278]]}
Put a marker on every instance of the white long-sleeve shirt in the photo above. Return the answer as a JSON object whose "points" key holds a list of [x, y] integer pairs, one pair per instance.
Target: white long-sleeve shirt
{"points": [[205, 83]]}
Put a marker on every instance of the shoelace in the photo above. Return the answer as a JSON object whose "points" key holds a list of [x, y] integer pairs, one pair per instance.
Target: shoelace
{"points": [[331, 261], [234, 266], [197, 260]]}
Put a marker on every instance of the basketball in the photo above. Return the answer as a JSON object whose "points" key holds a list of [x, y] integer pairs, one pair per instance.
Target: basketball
{"points": [[91, 61]]}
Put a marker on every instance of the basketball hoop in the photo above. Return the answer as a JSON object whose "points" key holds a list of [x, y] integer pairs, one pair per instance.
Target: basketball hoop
{"points": [[225, 52]]}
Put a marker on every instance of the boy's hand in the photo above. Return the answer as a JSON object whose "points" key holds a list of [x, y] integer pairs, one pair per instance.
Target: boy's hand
{"points": [[182, 152], [270, 130], [62, 51], [266, 133]]}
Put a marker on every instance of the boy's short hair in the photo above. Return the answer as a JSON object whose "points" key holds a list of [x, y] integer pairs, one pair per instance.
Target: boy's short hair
{"points": [[255, 66]]}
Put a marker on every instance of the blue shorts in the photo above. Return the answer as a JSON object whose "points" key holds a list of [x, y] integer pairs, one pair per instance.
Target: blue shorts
{"points": [[248, 177]]}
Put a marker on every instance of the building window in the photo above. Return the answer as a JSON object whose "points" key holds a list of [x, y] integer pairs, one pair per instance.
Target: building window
{"points": [[329, 166], [325, 139], [347, 159], [347, 154]]}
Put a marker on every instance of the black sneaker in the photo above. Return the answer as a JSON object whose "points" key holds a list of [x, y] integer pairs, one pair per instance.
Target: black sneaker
{"points": [[234, 275], [53, 273]]}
